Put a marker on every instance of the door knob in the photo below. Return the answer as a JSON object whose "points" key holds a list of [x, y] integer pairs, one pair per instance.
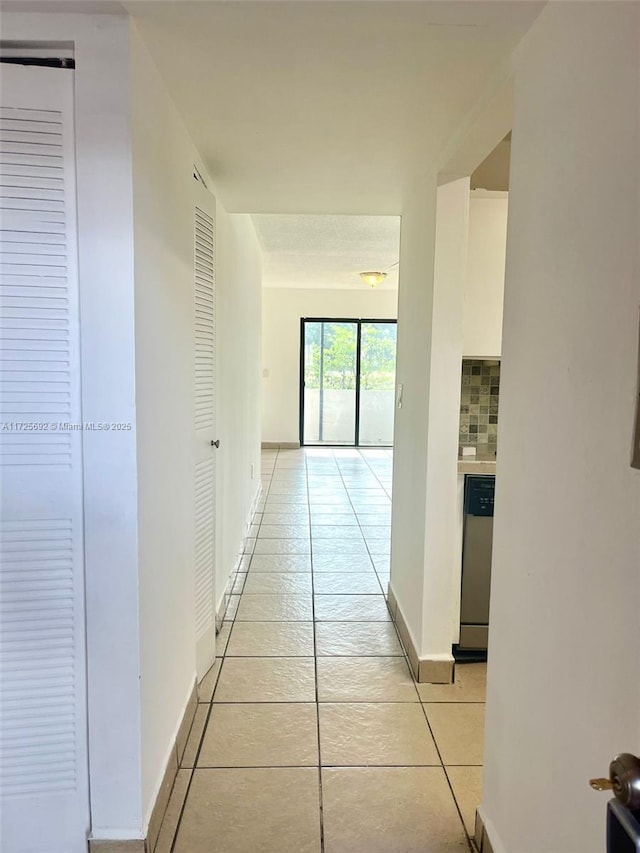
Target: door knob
{"points": [[624, 780], [215, 443]]}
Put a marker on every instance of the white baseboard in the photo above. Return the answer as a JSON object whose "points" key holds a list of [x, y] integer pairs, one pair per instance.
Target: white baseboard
{"points": [[486, 836], [128, 844], [433, 669], [221, 607]]}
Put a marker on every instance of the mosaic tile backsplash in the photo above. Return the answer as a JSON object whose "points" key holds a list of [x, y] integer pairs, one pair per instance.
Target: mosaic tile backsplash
{"points": [[479, 405]]}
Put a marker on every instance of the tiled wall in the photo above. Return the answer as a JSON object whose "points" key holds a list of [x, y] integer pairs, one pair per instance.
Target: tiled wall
{"points": [[479, 405]]}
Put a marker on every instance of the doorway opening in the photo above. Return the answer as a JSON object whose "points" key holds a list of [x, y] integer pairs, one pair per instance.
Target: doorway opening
{"points": [[347, 382]]}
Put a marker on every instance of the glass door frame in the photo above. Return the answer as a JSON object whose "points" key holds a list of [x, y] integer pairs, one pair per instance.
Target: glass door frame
{"points": [[359, 322]]}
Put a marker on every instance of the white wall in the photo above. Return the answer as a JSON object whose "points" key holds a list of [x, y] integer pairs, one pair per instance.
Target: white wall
{"points": [[424, 540], [564, 669], [442, 541], [163, 159], [238, 329], [282, 310], [415, 313], [484, 295]]}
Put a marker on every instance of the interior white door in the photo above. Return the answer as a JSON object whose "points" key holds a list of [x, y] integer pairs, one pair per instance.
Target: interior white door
{"points": [[43, 741], [205, 423]]}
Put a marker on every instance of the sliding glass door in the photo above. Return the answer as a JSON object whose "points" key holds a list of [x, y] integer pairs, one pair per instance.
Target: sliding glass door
{"points": [[347, 372], [377, 383], [329, 398]]}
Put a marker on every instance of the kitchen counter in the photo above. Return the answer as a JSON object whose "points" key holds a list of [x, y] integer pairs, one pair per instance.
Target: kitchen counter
{"points": [[482, 464]]}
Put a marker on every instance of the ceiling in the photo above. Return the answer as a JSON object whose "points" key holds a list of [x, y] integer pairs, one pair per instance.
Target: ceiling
{"points": [[327, 251], [326, 106], [336, 107]]}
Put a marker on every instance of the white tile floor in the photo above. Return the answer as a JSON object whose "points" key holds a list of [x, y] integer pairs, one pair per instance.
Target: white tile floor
{"points": [[311, 734]]}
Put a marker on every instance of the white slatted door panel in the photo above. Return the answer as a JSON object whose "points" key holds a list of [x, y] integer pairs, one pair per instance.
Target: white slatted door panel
{"points": [[204, 421], [43, 753]]}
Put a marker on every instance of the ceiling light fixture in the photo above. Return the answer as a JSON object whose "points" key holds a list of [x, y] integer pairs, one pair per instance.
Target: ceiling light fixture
{"points": [[373, 278]]}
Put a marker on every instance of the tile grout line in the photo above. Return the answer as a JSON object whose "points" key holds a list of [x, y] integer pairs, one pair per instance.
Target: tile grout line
{"points": [[380, 582], [382, 486], [357, 515], [395, 628], [315, 662], [215, 686], [343, 558], [366, 544], [424, 710], [415, 685], [444, 770], [329, 766], [437, 748], [404, 655], [310, 702]]}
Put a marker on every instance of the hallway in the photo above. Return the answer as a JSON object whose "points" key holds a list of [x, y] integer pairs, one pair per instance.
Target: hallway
{"points": [[310, 732]]}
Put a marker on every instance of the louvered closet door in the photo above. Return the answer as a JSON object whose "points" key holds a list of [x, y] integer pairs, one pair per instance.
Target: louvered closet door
{"points": [[204, 414], [43, 753]]}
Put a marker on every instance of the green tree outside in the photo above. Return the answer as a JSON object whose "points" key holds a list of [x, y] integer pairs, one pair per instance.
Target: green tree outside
{"points": [[378, 356]]}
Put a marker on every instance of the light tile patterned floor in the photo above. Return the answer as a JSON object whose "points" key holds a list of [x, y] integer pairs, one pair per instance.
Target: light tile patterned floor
{"points": [[311, 734]]}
